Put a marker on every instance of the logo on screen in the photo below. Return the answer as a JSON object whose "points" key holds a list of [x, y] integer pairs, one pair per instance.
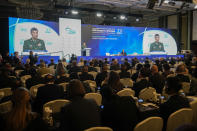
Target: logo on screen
{"points": [[70, 31]]}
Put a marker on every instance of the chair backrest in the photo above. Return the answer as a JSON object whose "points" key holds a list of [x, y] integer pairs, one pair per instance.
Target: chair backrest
{"points": [[117, 71], [55, 105], [178, 118], [99, 129], [185, 87], [150, 124], [95, 96], [18, 72], [64, 85], [98, 69], [127, 82], [92, 84], [93, 73], [24, 78], [5, 92], [126, 92], [193, 105], [5, 107], [148, 94], [34, 89]]}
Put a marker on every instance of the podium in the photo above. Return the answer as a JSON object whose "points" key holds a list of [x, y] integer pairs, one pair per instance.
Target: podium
{"points": [[87, 51], [158, 53]]}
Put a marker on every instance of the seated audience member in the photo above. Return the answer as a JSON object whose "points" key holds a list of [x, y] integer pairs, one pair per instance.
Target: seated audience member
{"points": [[91, 67], [128, 65], [44, 70], [167, 71], [60, 68], [135, 75], [84, 75], [106, 61], [187, 127], [81, 113], [28, 70], [34, 80], [119, 113], [81, 63], [19, 66], [124, 73], [113, 83], [175, 101], [7, 58], [62, 77], [48, 93], [182, 73], [5, 79], [74, 67], [142, 82], [157, 81], [101, 76], [74, 75], [115, 66], [52, 63], [16, 58], [64, 62], [41, 61], [21, 118], [193, 87]]}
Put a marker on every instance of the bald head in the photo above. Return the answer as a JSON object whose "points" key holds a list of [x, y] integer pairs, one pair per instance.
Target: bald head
{"points": [[154, 69]]}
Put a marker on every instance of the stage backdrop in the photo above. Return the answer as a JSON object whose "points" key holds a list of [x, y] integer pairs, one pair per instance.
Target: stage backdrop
{"points": [[105, 40]]}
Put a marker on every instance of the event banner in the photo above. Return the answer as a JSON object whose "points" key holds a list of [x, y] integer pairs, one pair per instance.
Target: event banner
{"points": [[70, 33]]}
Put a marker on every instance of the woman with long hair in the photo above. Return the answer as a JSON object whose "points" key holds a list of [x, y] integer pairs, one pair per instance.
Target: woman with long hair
{"points": [[60, 68], [21, 118]]}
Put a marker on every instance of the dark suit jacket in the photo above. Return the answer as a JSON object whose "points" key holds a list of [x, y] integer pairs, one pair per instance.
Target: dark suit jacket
{"points": [[80, 114], [90, 68], [85, 76], [157, 81], [115, 67], [74, 69], [47, 93], [33, 60], [140, 85], [100, 77], [183, 78], [175, 103], [124, 74], [120, 113], [62, 79]]}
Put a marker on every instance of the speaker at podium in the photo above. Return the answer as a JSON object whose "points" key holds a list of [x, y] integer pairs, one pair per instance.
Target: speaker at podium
{"points": [[87, 51]]}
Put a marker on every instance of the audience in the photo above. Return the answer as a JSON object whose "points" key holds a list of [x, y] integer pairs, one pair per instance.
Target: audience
{"points": [[52, 64], [175, 101], [167, 71], [62, 77], [182, 73], [115, 66], [101, 76], [48, 93], [84, 74], [91, 67], [60, 68], [44, 70], [21, 118], [80, 114], [124, 73]]}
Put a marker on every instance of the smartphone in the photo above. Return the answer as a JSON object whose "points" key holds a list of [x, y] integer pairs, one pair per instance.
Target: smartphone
{"points": [[140, 100], [162, 97], [102, 106]]}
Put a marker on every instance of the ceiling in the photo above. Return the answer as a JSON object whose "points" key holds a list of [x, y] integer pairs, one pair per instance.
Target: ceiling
{"points": [[112, 9]]}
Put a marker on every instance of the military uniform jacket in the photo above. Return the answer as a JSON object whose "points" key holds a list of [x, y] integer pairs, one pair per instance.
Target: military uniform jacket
{"points": [[157, 46], [31, 44]]}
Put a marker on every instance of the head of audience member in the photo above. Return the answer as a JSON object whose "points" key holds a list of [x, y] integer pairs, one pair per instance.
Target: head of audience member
{"points": [[49, 79], [114, 82], [42, 65], [104, 68], [52, 61], [31, 53], [27, 61], [154, 69], [173, 85], [143, 73], [147, 66], [181, 69], [85, 62], [91, 64], [18, 118], [139, 66], [123, 67], [115, 62], [85, 69], [166, 67], [41, 60], [59, 67], [81, 60], [74, 63], [75, 89], [16, 54], [64, 60]]}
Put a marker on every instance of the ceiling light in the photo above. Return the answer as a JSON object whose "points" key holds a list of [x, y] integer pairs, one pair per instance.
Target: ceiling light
{"points": [[114, 17], [166, 1], [98, 14], [137, 19], [122, 17], [74, 12]]}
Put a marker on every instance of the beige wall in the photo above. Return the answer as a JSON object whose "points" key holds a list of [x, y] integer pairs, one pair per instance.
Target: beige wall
{"points": [[194, 36], [172, 22], [184, 32]]}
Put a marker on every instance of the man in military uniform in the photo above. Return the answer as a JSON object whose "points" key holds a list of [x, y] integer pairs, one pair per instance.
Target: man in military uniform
{"points": [[34, 43], [157, 46]]}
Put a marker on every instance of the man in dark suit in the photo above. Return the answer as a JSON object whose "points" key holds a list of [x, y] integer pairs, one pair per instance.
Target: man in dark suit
{"points": [[101, 76], [91, 67], [48, 93], [157, 81], [115, 65], [74, 68], [142, 83], [175, 102], [84, 75], [124, 73], [181, 73], [33, 59]]}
